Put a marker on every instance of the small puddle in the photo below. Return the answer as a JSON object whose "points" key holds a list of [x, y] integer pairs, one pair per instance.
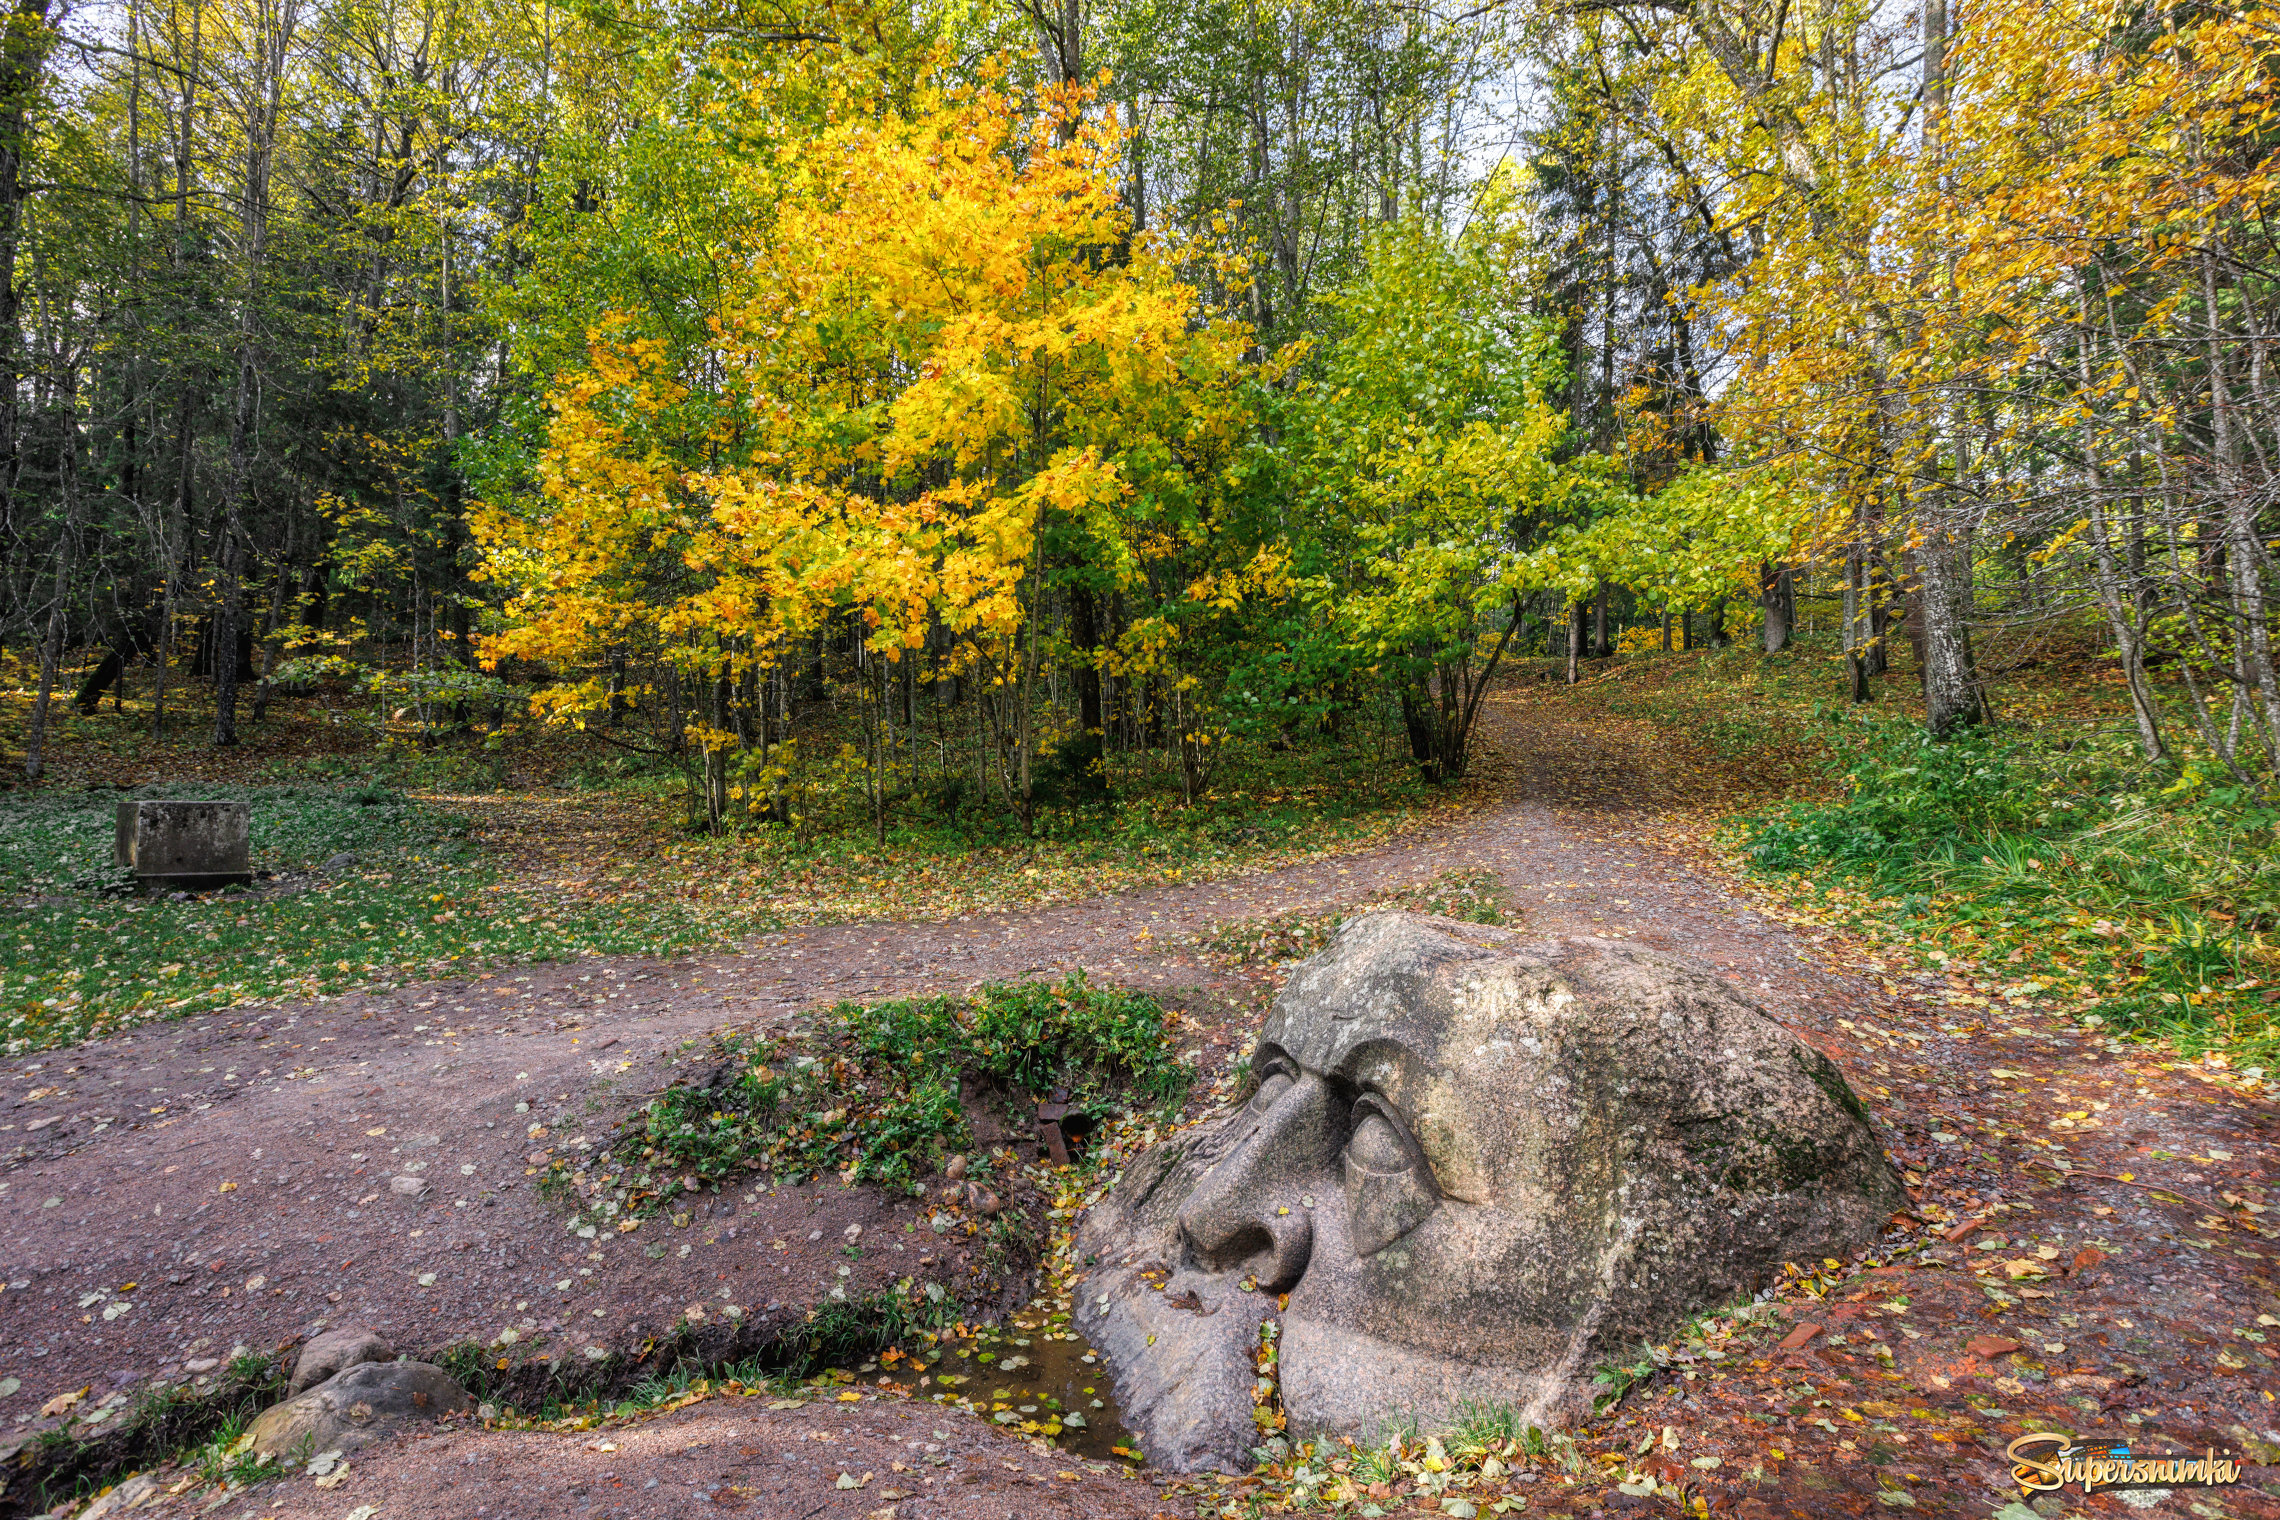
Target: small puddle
{"points": [[1032, 1376], [1036, 1376]]}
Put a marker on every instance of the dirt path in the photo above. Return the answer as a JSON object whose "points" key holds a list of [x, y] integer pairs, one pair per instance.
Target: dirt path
{"points": [[246, 1179]]}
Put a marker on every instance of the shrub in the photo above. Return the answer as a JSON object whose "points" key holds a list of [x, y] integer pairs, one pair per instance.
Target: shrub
{"points": [[873, 1093]]}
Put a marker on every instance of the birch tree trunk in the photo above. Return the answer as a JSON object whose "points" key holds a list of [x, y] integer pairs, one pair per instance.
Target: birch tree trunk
{"points": [[1952, 700]]}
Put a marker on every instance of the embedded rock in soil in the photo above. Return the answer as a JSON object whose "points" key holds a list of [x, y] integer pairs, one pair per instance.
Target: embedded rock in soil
{"points": [[336, 1351], [358, 1406], [135, 1493], [1480, 1165]]}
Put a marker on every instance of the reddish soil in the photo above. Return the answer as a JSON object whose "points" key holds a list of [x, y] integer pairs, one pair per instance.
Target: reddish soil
{"points": [[730, 1454], [229, 1169]]}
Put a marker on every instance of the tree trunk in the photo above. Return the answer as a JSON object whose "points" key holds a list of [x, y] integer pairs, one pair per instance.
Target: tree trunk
{"points": [[66, 554], [89, 697], [1952, 700], [716, 754], [1951, 689], [812, 684], [185, 457], [1087, 752], [2115, 589], [23, 53], [1777, 595], [265, 98], [229, 592], [1417, 723], [271, 632], [51, 657]]}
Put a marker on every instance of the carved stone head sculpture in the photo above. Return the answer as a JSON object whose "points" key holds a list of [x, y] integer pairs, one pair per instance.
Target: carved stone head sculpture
{"points": [[1479, 1166]]}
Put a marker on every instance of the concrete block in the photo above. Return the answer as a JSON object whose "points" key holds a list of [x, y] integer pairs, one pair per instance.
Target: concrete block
{"points": [[185, 845]]}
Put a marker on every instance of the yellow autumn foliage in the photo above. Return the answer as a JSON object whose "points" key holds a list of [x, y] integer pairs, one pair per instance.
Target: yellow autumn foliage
{"points": [[936, 354]]}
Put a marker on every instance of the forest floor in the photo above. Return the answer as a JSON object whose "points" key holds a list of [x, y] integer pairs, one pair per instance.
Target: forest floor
{"points": [[384, 860], [2088, 1250]]}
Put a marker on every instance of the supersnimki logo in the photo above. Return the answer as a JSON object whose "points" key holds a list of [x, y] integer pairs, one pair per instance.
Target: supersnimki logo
{"points": [[2046, 1461]]}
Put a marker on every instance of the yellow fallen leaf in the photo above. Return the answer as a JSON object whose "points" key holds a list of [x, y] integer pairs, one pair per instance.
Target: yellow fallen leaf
{"points": [[61, 1402]]}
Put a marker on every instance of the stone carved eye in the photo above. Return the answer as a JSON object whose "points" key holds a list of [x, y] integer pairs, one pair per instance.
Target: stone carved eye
{"points": [[1389, 1188], [1277, 1081]]}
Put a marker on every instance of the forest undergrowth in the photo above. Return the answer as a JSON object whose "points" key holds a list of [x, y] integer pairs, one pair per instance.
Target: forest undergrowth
{"points": [[2039, 861]]}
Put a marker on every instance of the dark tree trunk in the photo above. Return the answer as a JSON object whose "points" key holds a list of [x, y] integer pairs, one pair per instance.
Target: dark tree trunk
{"points": [[1417, 717], [1777, 595], [1878, 656], [812, 687], [1086, 753], [314, 584], [24, 48], [100, 680], [229, 637]]}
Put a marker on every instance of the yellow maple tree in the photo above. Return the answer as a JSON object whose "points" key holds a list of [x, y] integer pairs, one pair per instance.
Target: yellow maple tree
{"points": [[938, 366]]}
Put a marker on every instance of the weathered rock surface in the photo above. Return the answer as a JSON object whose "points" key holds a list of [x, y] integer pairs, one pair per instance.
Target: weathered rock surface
{"points": [[184, 844], [1480, 1165], [335, 1352], [357, 1406], [137, 1492]]}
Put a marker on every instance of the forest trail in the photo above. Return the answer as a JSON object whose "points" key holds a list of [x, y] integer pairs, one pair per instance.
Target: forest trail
{"points": [[228, 1179]]}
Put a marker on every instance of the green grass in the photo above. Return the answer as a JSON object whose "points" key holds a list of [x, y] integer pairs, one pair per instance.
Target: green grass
{"points": [[1616, 1379], [196, 1427], [871, 1095], [2138, 896], [2042, 862], [86, 958]]}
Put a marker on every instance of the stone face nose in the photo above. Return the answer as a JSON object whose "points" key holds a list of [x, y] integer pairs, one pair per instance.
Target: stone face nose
{"points": [[1256, 1206]]}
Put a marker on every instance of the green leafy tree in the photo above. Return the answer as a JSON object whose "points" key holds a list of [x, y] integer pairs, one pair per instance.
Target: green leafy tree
{"points": [[1429, 457]]}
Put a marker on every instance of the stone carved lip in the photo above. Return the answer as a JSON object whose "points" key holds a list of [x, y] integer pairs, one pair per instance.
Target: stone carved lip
{"points": [[1478, 1164]]}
